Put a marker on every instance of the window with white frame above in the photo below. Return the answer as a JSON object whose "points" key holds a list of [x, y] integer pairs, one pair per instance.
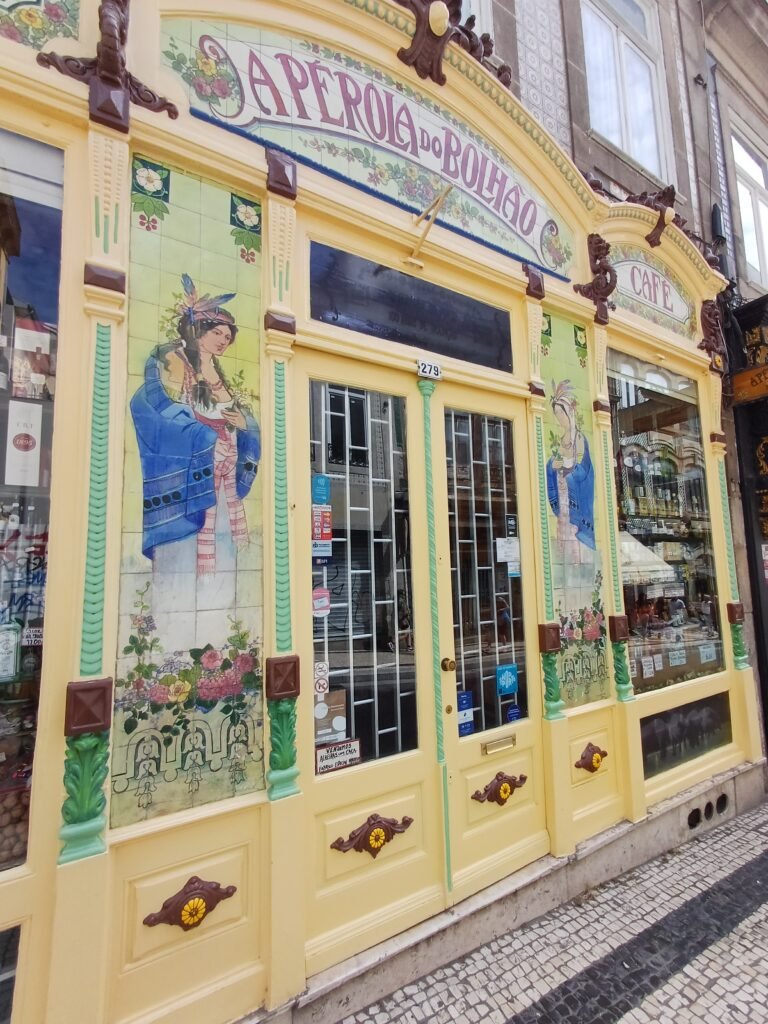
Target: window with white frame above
{"points": [[482, 12], [752, 190], [622, 47]]}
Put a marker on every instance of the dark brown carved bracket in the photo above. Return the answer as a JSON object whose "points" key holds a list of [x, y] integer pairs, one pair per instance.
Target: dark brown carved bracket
{"points": [[112, 88], [535, 289], [500, 788], [283, 322], [591, 758], [713, 342], [373, 835], [735, 613], [282, 179], [88, 707], [436, 25], [549, 637], [603, 281], [664, 202], [283, 678], [618, 628], [188, 907]]}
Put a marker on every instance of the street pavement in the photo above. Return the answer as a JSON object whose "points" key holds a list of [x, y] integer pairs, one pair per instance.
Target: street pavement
{"points": [[682, 939]]}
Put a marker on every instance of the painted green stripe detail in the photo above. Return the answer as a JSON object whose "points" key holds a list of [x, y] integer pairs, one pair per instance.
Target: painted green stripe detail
{"points": [[97, 216], [549, 603], [728, 531], [283, 634], [92, 636], [105, 238], [287, 276], [117, 223], [618, 598], [85, 771], [282, 774], [427, 387]]}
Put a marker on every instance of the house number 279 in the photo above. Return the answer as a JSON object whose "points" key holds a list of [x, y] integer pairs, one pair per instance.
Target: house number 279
{"points": [[432, 370]]}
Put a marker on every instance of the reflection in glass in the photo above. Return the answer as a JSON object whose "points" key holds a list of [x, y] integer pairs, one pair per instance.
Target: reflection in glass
{"points": [[361, 579], [9, 952], [485, 571], [30, 258], [681, 734], [668, 568]]}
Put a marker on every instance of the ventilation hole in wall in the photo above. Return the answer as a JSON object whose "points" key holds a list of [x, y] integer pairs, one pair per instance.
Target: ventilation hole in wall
{"points": [[694, 818], [722, 804], [709, 810]]}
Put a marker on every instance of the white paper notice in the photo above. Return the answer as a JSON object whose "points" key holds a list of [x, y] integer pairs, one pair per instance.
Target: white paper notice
{"points": [[22, 449], [648, 669], [632, 668], [507, 549], [31, 341], [677, 658], [658, 662], [707, 653]]}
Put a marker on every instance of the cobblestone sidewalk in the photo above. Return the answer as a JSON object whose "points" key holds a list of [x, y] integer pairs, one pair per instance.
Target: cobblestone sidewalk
{"points": [[681, 939]]}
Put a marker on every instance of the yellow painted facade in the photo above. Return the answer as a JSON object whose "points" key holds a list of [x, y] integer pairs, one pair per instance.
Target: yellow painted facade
{"points": [[300, 905]]}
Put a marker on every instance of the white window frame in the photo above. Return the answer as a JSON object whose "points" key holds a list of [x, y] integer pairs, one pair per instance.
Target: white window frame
{"points": [[483, 12], [650, 51], [755, 275]]}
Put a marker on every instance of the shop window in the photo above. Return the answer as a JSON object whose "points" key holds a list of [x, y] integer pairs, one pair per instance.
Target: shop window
{"points": [[9, 953], [622, 48], [31, 177], [673, 737], [485, 571], [667, 557], [752, 188], [367, 297], [362, 603]]}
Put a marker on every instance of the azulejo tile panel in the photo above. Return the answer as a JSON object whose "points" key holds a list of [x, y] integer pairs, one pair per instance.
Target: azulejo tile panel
{"points": [[34, 22], [189, 705], [571, 477]]}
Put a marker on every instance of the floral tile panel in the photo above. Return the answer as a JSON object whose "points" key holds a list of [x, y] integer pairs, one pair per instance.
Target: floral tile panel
{"points": [[34, 22]]}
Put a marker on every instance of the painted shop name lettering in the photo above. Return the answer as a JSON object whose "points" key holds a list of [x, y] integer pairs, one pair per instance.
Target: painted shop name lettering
{"points": [[652, 287]]}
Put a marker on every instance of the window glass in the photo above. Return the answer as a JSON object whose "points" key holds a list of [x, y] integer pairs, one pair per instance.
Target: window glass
{"points": [[485, 571], [746, 162], [681, 734], [362, 591], [603, 82], [31, 177], [9, 952], [643, 140], [632, 13], [667, 557], [748, 226]]}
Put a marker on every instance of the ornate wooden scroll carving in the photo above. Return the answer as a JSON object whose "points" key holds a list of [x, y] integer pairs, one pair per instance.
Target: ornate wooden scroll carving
{"points": [[112, 87], [664, 202], [435, 25], [604, 280], [373, 835], [500, 788], [190, 905], [713, 342], [591, 758]]}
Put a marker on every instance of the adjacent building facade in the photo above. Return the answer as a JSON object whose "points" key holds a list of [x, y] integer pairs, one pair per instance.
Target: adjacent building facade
{"points": [[365, 521]]}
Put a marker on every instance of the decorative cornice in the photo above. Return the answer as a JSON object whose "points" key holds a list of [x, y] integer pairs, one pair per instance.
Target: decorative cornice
{"points": [[112, 88]]}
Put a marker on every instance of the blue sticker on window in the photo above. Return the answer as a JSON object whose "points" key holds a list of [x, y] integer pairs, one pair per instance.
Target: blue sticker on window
{"points": [[506, 680]]}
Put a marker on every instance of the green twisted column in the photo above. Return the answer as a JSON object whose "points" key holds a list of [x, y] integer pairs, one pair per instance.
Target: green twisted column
{"points": [[427, 387], [553, 702], [282, 774], [740, 654], [92, 633], [85, 772], [624, 689]]}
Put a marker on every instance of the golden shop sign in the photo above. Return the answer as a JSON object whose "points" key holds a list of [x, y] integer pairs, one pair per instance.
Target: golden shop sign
{"points": [[358, 123], [749, 385]]}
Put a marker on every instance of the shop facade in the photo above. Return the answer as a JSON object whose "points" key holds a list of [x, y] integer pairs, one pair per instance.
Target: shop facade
{"points": [[365, 527]]}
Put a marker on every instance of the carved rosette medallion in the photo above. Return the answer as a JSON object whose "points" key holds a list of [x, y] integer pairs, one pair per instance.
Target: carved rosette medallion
{"points": [[189, 906], [373, 835], [591, 758], [500, 788]]}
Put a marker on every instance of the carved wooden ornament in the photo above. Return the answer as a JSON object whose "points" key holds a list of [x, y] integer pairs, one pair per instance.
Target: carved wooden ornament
{"points": [[713, 342], [535, 289], [604, 280], [436, 24], [190, 905], [500, 788], [112, 88], [373, 835], [664, 202], [591, 758]]}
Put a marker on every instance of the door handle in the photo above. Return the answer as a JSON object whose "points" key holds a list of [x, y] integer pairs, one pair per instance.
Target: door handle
{"points": [[448, 665]]}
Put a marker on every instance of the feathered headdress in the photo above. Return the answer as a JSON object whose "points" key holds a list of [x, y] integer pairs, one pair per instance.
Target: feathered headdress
{"points": [[192, 307], [563, 393]]}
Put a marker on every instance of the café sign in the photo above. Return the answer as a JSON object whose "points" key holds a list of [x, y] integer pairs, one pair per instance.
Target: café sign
{"points": [[359, 123], [648, 288]]}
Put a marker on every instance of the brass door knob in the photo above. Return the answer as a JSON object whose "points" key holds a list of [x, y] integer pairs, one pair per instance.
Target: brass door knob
{"points": [[448, 665]]}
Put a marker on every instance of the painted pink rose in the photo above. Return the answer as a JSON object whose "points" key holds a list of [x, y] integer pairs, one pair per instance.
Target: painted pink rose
{"points": [[55, 13], [201, 87], [211, 660], [11, 32], [207, 688], [221, 87], [229, 683], [158, 694], [244, 663]]}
